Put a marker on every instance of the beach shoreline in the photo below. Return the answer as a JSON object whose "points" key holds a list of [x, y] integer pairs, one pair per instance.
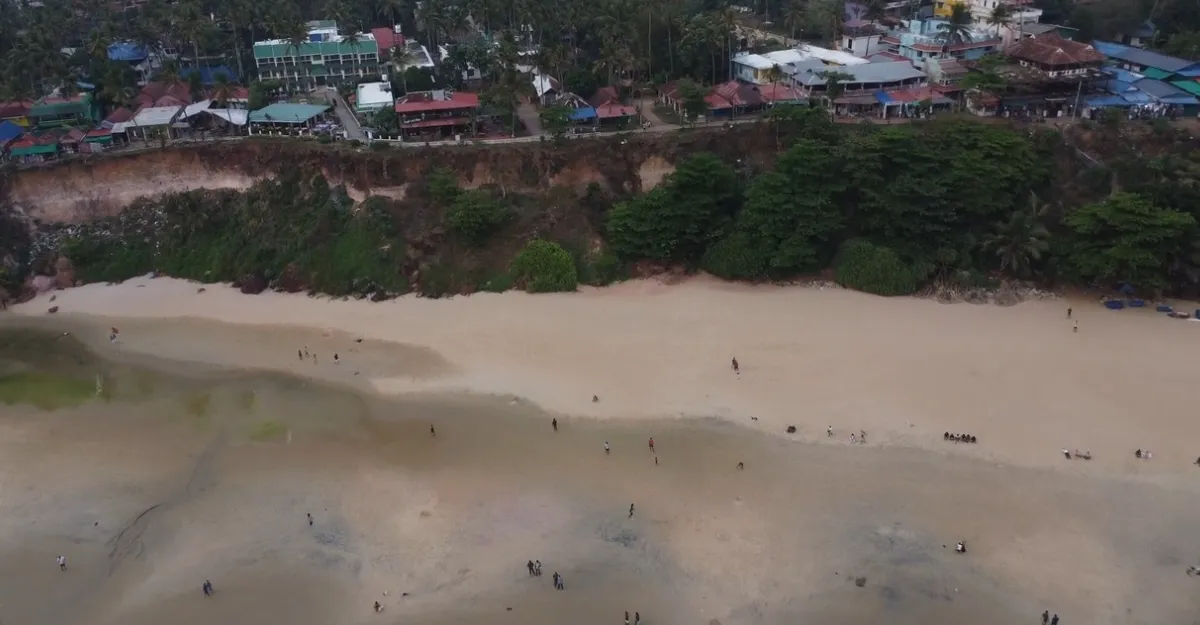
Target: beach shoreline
{"points": [[905, 370]]}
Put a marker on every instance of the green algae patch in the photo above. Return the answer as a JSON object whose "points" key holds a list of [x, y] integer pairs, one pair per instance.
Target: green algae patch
{"points": [[45, 390], [266, 431]]}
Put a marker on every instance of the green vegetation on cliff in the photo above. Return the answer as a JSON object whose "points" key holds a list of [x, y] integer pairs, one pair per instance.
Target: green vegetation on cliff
{"points": [[888, 209]]}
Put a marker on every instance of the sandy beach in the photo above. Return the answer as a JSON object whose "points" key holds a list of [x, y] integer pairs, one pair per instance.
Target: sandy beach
{"points": [[156, 490]]}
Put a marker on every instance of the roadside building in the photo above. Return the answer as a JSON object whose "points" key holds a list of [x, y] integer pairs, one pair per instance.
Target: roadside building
{"points": [[921, 40], [609, 108], [373, 96], [33, 147], [16, 111], [547, 89], [155, 123], [326, 58], [55, 112], [437, 113], [288, 118], [764, 68]]}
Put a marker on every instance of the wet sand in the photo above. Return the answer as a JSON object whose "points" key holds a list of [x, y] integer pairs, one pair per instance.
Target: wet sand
{"points": [[177, 479]]}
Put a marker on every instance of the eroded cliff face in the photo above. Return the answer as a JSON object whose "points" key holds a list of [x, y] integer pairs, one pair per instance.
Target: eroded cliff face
{"points": [[100, 186]]}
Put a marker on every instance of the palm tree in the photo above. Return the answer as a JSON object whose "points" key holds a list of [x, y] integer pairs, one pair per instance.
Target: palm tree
{"points": [[1000, 17], [352, 38], [957, 27], [833, 84], [222, 89], [1022, 240], [391, 9], [400, 60]]}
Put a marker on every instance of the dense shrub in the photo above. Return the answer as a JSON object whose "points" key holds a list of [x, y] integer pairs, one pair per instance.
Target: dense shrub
{"points": [[737, 257], [475, 215], [874, 269], [544, 267]]}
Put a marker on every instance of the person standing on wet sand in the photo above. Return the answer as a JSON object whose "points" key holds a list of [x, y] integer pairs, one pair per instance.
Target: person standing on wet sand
{"points": [[554, 424], [309, 514], [626, 617], [607, 449], [529, 565], [735, 367], [1076, 327], [652, 443], [62, 563], [432, 432], [631, 511], [1054, 620], [1068, 317], [299, 355], [1046, 613], [637, 618]]}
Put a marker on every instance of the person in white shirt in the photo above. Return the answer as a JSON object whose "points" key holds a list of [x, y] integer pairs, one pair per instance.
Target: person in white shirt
{"points": [[62, 563]]}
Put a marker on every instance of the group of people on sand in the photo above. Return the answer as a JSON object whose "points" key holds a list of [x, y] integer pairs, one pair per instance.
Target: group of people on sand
{"points": [[1146, 455], [637, 618], [1047, 620], [535, 570], [959, 438]]}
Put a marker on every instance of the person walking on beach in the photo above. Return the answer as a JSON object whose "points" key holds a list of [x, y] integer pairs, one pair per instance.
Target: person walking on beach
{"points": [[651, 443], [554, 424], [309, 514], [537, 568], [335, 359], [1076, 327], [829, 431], [637, 618], [1068, 317], [1054, 620], [631, 511], [529, 565], [735, 367], [208, 588], [1046, 613], [62, 563], [432, 432], [299, 355], [607, 449], [626, 617], [741, 465]]}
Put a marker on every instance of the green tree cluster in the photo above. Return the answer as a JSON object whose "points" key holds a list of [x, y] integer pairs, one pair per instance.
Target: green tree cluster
{"points": [[544, 267]]}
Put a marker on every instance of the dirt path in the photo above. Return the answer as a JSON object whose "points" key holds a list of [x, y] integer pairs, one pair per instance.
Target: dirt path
{"points": [[646, 106], [528, 114]]}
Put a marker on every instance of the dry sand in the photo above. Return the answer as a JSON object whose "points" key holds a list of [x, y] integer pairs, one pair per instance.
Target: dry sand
{"points": [[452, 519]]}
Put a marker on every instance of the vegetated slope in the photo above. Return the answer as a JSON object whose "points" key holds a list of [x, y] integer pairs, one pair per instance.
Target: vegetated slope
{"points": [[952, 199]]}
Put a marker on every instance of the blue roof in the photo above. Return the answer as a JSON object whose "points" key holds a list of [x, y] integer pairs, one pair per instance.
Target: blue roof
{"points": [[126, 51], [1123, 75], [1145, 58], [10, 130], [1097, 101], [1118, 86], [1137, 97], [1163, 92], [583, 114], [882, 97], [208, 74]]}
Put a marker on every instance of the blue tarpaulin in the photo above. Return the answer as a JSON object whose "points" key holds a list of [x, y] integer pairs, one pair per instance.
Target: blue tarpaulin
{"points": [[883, 97], [10, 130], [208, 74], [126, 51], [1099, 101], [583, 114]]}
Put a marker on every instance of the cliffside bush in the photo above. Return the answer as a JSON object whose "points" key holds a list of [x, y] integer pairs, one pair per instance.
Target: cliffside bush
{"points": [[475, 215], [874, 269], [738, 256], [544, 267]]}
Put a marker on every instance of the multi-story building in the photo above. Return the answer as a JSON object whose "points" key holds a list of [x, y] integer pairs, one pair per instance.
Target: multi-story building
{"points": [[1019, 14], [325, 58], [920, 40]]}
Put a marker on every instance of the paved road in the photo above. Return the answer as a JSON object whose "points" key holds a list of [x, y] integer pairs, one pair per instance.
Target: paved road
{"points": [[345, 115], [646, 106]]}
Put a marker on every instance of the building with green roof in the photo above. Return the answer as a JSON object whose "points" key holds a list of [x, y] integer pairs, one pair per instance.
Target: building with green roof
{"points": [[325, 58], [288, 113]]}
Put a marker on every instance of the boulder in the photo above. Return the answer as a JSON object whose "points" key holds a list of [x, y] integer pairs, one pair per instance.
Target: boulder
{"points": [[252, 284], [42, 284], [291, 280], [53, 309], [64, 272]]}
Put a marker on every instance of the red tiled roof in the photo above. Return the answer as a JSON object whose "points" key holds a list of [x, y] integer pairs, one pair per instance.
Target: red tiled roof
{"points": [[604, 96], [615, 109], [74, 135], [736, 94], [387, 38], [30, 140], [120, 115], [15, 108], [1050, 49], [161, 94], [423, 102], [99, 132], [236, 92], [778, 92]]}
